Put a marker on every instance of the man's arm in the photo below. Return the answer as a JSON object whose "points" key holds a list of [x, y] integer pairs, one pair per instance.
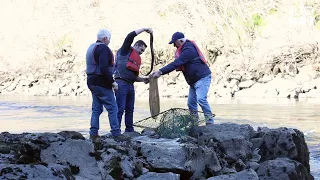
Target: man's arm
{"points": [[105, 60], [185, 56], [125, 48], [148, 30], [142, 79]]}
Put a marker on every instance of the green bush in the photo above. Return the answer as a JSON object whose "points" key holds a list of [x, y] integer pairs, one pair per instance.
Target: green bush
{"points": [[317, 25], [317, 20], [273, 11], [63, 46], [258, 20]]}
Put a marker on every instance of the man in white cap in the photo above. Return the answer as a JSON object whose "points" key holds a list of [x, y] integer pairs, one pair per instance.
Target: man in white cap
{"points": [[100, 64]]}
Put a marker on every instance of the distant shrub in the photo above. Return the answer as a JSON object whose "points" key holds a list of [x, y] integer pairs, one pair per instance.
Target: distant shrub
{"points": [[273, 11], [258, 20], [162, 14], [317, 25], [63, 47], [317, 21], [95, 3]]}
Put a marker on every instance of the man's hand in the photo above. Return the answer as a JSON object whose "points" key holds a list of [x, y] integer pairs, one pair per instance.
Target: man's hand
{"points": [[156, 74], [148, 30], [146, 80], [115, 86], [143, 79]]}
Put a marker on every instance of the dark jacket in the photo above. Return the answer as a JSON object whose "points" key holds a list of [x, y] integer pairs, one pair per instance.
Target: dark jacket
{"points": [[195, 69], [121, 71], [103, 58]]}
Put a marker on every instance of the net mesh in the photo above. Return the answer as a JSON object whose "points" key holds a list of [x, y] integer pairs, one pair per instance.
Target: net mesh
{"points": [[173, 123]]}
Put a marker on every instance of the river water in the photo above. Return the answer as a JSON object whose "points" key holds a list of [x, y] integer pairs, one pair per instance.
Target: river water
{"points": [[53, 114]]}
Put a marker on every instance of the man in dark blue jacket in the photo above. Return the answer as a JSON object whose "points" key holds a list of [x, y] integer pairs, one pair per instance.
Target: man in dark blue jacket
{"points": [[126, 72], [190, 60], [100, 64]]}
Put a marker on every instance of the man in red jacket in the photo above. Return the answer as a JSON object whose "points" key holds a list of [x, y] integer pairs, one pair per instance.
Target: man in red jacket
{"points": [[190, 60]]}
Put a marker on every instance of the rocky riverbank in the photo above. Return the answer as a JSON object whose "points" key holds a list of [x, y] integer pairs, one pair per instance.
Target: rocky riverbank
{"points": [[66, 77], [222, 151]]}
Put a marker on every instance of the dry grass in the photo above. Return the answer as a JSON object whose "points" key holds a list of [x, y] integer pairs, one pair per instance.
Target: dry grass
{"points": [[246, 32]]}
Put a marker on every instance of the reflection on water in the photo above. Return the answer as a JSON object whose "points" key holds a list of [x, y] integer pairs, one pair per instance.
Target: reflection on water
{"points": [[54, 114]]}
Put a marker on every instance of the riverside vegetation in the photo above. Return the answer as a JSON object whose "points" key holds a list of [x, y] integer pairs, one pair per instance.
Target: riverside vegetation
{"points": [[254, 48]]}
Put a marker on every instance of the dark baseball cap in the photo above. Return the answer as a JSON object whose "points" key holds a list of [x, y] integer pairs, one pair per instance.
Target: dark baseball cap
{"points": [[176, 36]]}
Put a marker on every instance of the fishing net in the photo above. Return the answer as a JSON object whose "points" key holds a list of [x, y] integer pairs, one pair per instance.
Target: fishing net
{"points": [[173, 123]]}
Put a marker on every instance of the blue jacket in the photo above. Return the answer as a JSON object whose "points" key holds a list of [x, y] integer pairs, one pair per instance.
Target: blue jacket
{"points": [[195, 69]]}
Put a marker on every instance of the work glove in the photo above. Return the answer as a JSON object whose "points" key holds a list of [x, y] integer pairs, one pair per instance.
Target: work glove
{"points": [[115, 86], [156, 74]]}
